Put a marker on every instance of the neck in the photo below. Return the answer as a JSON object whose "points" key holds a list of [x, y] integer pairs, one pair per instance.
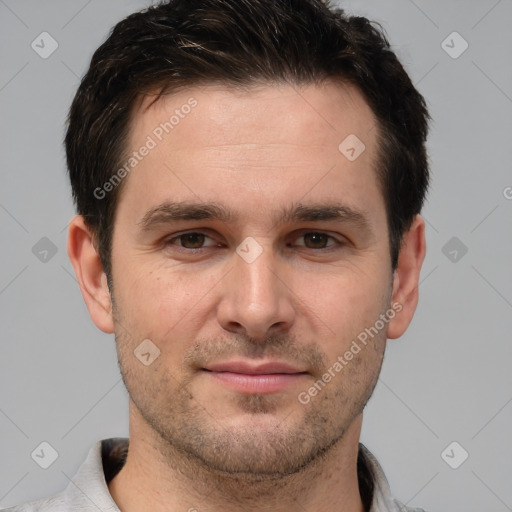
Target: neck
{"points": [[159, 474]]}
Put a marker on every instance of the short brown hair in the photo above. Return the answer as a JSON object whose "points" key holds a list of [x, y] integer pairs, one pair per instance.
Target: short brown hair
{"points": [[182, 43]]}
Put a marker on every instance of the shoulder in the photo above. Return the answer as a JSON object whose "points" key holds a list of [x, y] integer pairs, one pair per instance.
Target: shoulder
{"points": [[55, 503], [374, 484], [88, 489], [400, 507]]}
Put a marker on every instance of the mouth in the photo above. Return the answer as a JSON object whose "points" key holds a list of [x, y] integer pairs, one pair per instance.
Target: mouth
{"points": [[249, 378]]}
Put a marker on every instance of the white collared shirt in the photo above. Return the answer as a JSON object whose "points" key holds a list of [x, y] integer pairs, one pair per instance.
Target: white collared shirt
{"points": [[88, 490]]}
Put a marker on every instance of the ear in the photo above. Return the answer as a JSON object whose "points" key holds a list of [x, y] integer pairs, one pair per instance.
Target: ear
{"points": [[89, 272], [406, 277]]}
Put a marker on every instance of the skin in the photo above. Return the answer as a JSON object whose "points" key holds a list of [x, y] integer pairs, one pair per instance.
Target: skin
{"points": [[195, 443]]}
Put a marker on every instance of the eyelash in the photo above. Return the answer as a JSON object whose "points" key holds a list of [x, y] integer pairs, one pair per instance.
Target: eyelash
{"points": [[169, 241]]}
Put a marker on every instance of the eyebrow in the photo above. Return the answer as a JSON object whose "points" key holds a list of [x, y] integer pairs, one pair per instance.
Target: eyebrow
{"points": [[171, 211]]}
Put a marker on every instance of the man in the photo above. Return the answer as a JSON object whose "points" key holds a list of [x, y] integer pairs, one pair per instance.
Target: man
{"points": [[248, 176]]}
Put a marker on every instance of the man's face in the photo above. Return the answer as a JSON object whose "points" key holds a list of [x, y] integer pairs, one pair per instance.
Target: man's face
{"points": [[222, 297]]}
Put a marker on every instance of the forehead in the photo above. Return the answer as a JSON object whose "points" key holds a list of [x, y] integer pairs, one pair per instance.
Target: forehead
{"points": [[222, 113], [264, 144]]}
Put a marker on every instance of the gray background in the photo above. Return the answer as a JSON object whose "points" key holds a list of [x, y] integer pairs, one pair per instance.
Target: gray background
{"points": [[447, 379]]}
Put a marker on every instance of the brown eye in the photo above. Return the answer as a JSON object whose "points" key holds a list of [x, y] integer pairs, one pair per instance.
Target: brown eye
{"points": [[316, 240], [192, 240]]}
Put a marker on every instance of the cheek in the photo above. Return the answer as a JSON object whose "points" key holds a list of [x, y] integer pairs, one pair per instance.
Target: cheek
{"points": [[155, 305], [346, 300], [165, 302]]}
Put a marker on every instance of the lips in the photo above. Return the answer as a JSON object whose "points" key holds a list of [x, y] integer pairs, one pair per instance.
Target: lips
{"points": [[253, 369], [249, 378]]}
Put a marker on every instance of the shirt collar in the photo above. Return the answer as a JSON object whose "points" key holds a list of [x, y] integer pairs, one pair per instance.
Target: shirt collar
{"points": [[88, 490]]}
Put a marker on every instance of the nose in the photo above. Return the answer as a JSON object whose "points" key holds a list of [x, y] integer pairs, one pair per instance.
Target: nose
{"points": [[256, 300]]}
